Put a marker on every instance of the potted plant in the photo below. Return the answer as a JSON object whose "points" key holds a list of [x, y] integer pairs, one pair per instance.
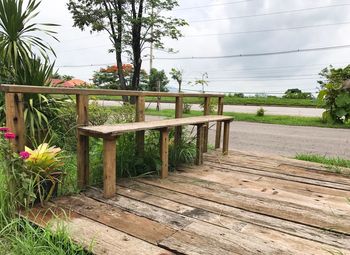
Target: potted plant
{"points": [[45, 165]]}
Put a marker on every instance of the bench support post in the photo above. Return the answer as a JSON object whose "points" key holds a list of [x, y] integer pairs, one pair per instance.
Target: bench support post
{"points": [[164, 152], [206, 128], [14, 107], [178, 114], [219, 123], [140, 117], [226, 137], [83, 142], [109, 167], [199, 146]]}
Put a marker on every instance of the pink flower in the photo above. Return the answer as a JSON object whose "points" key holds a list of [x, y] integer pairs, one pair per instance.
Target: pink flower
{"points": [[4, 129], [9, 136], [24, 154]]}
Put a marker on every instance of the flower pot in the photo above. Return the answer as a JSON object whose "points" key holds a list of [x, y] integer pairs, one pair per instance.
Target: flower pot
{"points": [[47, 185]]}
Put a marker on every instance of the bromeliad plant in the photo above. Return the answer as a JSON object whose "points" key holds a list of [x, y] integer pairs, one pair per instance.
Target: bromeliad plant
{"points": [[32, 175], [45, 164]]}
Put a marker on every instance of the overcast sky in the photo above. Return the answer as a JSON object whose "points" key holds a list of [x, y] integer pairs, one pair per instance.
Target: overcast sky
{"points": [[207, 36]]}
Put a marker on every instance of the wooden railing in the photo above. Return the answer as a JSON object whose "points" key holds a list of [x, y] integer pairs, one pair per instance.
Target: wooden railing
{"points": [[14, 106]]}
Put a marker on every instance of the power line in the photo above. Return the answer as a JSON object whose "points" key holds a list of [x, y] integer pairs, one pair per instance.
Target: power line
{"points": [[213, 5], [271, 30], [263, 76], [272, 13], [260, 54], [270, 79]]}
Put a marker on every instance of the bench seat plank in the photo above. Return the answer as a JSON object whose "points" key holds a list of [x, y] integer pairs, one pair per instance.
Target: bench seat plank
{"points": [[115, 130]]}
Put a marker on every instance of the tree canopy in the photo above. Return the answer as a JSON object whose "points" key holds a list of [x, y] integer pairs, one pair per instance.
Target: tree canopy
{"points": [[131, 25]]}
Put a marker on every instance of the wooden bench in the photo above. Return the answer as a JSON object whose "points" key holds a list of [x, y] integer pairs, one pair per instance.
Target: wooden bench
{"points": [[110, 134]]}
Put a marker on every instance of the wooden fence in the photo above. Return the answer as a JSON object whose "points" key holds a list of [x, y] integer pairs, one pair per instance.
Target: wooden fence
{"points": [[14, 106]]}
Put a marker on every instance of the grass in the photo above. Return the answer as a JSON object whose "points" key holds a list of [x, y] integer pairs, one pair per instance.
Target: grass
{"points": [[268, 119], [230, 100], [333, 164], [19, 236], [331, 161]]}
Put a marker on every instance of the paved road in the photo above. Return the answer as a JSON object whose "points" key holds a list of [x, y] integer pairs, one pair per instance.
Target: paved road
{"points": [[271, 110], [285, 140]]}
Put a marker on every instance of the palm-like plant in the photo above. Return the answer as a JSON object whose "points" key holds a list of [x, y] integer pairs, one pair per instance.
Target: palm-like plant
{"points": [[21, 51], [17, 43]]}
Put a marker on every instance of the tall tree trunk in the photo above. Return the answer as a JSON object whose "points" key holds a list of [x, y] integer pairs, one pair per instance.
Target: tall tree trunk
{"points": [[136, 44]]}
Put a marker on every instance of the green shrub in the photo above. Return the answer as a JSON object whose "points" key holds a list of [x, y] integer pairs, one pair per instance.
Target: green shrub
{"points": [[260, 112], [335, 94], [64, 126], [187, 108], [297, 94], [239, 95]]}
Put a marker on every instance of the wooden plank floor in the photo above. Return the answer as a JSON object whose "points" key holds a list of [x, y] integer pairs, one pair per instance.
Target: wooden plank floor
{"points": [[240, 204]]}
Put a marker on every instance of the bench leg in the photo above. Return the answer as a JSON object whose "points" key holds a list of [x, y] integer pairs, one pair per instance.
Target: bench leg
{"points": [[109, 167], [164, 152], [218, 134], [200, 143], [226, 137], [83, 161], [206, 137]]}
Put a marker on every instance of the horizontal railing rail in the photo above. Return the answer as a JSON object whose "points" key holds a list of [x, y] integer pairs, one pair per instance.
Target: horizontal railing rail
{"points": [[9, 88], [14, 107]]}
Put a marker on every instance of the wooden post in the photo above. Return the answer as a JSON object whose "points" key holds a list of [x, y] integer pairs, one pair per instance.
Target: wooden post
{"points": [[219, 123], [164, 152], [14, 107], [206, 128], [226, 137], [109, 167], [140, 117], [178, 114], [83, 141], [200, 142]]}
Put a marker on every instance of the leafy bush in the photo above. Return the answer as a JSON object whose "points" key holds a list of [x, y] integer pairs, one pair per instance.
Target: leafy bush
{"points": [[239, 95], [187, 108], [335, 95], [64, 125], [260, 112], [297, 94]]}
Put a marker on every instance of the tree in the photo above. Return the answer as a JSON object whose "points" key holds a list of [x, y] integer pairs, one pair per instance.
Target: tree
{"points": [[103, 15], [131, 25], [297, 94], [335, 94], [157, 78], [63, 77], [176, 75], [109, 77], [202, 82]]}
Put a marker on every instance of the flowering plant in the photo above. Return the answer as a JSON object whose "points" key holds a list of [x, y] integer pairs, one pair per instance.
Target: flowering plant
{"points": [[39, 168]]}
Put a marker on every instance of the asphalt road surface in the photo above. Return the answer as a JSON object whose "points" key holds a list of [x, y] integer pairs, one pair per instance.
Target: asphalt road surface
{"points": [[285, 140], [270, 110]]}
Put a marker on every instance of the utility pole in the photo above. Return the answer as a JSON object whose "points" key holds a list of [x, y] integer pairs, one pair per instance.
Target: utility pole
{"points": [[158, 98], [151, 46]]}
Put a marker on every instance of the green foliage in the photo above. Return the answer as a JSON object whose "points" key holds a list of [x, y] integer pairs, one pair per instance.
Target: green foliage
{"points": [[157, 78], [19, 236], [176, 75], [18, 33], [297, 94], [64, 125], [333, 162], [131, 25], [18, 45], [260, 112], [239, 95], [334, 95], [187, 108]]}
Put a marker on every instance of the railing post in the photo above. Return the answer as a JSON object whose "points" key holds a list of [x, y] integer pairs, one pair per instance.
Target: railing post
{"points": [[199, 144], [206, 128], [14, 107], [178, 114], [140, 117], [219, 123], [83, 141]]}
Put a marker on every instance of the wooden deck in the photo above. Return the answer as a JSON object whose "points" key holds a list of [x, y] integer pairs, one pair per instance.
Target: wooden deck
{"points": [[239, 204]]}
